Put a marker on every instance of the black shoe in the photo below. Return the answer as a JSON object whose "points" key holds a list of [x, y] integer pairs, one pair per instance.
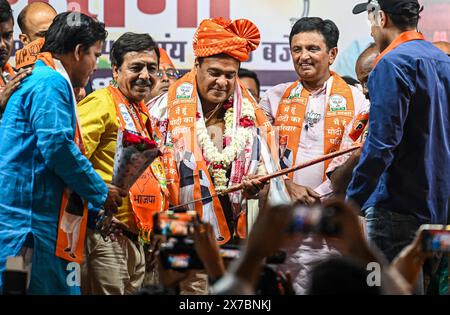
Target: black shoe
{"points": [[72, 255], [67, 249]]}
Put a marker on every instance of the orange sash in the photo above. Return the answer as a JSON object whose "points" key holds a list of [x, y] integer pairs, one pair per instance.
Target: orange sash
{"points": [[28, 55], [267, 131], [291, 115], [6, 68], [149, 194], [402, 38], [62, 238], [182, 115]]}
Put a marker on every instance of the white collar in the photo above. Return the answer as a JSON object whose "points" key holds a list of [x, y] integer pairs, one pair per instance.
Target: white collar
{"points": [[61, 70]]}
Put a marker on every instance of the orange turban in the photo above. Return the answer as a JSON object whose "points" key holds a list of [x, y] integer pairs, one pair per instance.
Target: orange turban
{"points": [[235, 38], [164, 58]]}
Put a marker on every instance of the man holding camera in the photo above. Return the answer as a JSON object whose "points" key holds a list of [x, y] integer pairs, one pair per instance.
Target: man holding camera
{"points": [[311, 115], [402, 179]]}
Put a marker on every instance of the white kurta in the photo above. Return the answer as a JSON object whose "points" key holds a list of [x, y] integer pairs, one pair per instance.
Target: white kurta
{"points": [[303, 256]]}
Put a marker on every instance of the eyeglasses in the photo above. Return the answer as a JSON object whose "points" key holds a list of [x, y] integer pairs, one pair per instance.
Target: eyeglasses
{"points": [[170, 73]]}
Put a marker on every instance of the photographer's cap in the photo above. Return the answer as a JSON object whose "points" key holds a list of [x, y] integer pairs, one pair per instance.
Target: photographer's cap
{"points": [[389, 6]]}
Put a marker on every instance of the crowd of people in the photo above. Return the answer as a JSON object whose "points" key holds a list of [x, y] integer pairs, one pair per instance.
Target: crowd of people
{"points": [[316, 230]]}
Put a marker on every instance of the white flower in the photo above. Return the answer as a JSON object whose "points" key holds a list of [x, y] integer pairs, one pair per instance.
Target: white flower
{"points": [[240, 137]]}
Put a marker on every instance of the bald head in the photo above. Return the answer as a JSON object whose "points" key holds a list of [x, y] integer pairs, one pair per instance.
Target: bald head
{"points": [[34, 20], [444, 46], [364, 65]]}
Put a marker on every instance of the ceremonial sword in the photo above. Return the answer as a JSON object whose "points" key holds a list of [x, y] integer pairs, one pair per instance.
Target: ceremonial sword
{"points": [[268, 177]]}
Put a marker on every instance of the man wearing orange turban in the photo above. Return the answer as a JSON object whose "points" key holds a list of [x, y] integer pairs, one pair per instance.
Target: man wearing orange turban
{"points": [[209, 121]]}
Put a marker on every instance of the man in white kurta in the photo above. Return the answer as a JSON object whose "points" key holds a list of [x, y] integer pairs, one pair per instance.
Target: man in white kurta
{"points": [[313, 49]]}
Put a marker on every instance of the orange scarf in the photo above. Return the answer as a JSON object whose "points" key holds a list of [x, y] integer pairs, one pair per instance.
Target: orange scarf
{"points": [[149, 194], [192, 171], [291, 115], [401, 39], [28, 55], [61, 241]]}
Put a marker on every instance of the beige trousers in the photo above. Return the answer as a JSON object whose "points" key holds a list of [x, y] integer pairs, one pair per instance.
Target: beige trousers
{"points": [[112, 267]]}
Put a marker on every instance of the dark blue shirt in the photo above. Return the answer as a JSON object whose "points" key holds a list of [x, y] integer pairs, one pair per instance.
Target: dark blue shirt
{"points": [[405, 162]]}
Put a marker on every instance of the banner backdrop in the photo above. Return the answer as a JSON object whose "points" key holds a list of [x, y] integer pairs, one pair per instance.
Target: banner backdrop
{"points": [[172, 24]]}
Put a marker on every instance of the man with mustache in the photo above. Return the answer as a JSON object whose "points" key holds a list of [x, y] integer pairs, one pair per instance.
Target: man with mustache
{"points": [[213, 118], [118, 268], [9, 80], [166, 76], [311, 114], [42, 160]]}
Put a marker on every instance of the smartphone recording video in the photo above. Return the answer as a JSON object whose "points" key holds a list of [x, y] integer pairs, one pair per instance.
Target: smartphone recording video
{"points": [[173, 224], [436, 238], [230, 252], [179, 255], [314, 219]]}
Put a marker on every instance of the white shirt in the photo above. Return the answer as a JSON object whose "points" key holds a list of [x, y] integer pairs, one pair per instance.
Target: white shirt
{"points": [[311, 143]]}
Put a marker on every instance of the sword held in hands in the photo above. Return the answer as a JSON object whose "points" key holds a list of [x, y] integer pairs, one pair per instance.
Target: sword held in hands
{"points": [[268, 177]]}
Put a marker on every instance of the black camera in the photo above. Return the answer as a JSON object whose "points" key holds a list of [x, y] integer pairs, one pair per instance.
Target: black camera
{"points": [[179, 254], [316, 219], [177, 250]]}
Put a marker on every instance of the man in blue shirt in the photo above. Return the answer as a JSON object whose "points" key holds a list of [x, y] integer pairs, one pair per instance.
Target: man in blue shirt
{"points": [[403, 177], [39, 156]]}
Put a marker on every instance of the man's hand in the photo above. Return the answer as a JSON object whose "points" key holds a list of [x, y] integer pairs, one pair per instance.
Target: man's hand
{"points": [[170, 278], [410, 260], [114, 199], [350, 240], [110, 227], [151, 250], [11, 86], [302, 194], [265, 238], [267, 234], [116, 229], [207, 249], [252, 186]]}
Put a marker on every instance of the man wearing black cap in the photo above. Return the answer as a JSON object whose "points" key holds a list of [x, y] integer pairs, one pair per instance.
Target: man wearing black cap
{"points": [[403, 177]]}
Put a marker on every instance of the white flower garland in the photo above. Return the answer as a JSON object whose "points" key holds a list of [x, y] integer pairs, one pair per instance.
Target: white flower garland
{"points": [[221, 161]]}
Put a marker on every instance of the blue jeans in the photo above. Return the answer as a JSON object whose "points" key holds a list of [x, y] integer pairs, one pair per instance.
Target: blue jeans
{"points": [[390, 231]]}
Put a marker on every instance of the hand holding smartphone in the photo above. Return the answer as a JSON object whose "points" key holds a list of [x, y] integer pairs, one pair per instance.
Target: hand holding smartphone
{"points": [[436, 238]]}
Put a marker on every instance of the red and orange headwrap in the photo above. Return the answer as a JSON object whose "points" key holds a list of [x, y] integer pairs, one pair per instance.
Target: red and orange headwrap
{"points": [[235, 38]]}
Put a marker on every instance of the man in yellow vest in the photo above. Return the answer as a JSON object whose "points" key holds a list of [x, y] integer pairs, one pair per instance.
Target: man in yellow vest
{"points": [[119, 267], [311, 115]]}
